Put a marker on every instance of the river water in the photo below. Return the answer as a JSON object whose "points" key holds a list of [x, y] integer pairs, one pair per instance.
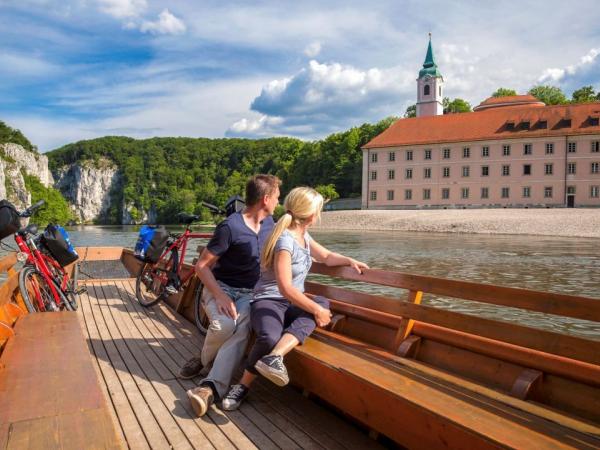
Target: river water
{"points": [[562, 265]]}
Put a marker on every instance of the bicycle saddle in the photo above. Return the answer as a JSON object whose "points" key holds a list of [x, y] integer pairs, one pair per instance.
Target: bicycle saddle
{"points": [[187, 218]]}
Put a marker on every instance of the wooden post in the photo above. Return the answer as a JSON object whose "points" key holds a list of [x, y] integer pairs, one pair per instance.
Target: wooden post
{"points": [[406, 324]]}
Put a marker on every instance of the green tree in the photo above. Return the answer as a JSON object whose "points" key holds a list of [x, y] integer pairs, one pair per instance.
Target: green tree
{"points": [[504, 92], [458, 105], [411, 111], [14, 136], [550, 95], [327, 191], [584, 95], [56, 210]]}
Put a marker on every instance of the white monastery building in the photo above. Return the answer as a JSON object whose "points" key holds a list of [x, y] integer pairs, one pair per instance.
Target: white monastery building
{"points": [[509, 152]]}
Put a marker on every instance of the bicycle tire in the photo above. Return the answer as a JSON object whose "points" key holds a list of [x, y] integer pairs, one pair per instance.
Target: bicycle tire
{"points": [[200, 315], [72, 287], [150, 295], [32, 304]]}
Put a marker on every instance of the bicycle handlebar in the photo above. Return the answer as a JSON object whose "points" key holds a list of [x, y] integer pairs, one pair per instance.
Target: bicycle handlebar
{"points": [[33, 208], [214, 209]]}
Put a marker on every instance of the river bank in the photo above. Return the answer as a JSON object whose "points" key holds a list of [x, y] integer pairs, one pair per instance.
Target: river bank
{"points": [[576, 222]]}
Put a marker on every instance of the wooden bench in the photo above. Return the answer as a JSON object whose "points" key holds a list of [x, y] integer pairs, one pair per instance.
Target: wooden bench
{"points": [[433, 378], [49, 391]]}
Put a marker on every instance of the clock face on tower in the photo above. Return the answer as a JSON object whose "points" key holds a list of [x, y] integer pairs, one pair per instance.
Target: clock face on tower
{"points": [[427, 77]]}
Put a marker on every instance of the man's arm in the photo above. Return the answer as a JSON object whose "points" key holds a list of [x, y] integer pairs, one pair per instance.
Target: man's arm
{"points": [[203, 270]]}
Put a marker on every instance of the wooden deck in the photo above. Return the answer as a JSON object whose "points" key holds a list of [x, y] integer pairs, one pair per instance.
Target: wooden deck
{"points": [[137, 354]]}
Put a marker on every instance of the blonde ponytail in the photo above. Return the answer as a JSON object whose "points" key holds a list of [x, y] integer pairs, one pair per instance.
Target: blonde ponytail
{"points": [[300, 205]]}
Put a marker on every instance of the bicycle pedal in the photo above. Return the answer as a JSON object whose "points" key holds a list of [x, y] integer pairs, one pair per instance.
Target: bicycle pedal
{"points": [[81, 290]]}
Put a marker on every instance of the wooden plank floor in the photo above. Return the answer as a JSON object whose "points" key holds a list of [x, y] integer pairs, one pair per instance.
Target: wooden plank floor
{"points": [[138, 352]]}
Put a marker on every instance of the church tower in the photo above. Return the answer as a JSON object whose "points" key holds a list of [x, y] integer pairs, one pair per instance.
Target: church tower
{"points": [[430, 91]]}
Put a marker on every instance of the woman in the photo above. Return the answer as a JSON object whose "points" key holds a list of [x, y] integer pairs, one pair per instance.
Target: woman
{"points": [[282, 316]]}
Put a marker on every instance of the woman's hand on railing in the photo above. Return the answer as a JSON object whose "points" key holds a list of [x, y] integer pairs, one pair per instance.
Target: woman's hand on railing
{"points": [[357, 265]]}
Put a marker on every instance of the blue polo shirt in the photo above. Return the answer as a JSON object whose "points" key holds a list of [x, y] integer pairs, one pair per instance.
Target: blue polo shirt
{"points": [[238, 248]]}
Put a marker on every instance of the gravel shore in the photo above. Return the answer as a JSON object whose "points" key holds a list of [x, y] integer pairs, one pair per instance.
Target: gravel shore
{"points": [[576, 222]]}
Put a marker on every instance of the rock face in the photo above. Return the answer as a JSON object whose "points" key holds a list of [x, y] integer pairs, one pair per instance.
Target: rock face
{"points": [[133, 216], [33, 163], [87, 186]]}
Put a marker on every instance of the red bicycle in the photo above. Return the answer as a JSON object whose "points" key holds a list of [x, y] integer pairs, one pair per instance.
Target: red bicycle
{"points": [[44, 283], [157, 281]]}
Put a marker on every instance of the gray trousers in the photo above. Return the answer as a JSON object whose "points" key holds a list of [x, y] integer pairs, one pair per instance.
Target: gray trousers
{"points": [[226, 339]]}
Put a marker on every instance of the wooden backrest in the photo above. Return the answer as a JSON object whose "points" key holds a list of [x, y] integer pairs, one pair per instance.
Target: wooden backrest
{"points": [[400, 319], [11, 303]]}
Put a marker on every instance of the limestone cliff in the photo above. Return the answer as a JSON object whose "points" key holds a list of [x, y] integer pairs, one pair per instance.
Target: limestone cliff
{"points": [[32, 163], [88, 186]]}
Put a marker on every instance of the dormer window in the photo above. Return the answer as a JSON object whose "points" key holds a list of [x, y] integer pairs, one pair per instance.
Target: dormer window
{"points": [[509, 125], [525, 125], [542, 124], [564, 123], [426, 90], [594, 121]]}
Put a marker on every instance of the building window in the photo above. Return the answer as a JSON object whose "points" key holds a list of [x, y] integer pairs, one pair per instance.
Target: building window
{"points": [[595, 167], [427, 172], [446, 153], [390, 195], [440, 91], [426, 90], [485, 151], [571, 168], [548, 169], [408, 174], [485, 171], [465, 193], [426, 194], [505, 170], [408, 194], [409, 155], [466, 152], [391, 174], [595, 146], [526, 169], [485, 192], [548, 192], [428, 154], [373, 157], [445, 194], [373, 195], [446, 172], [526, 192], [506, 150], [543, 124], [527, 149], [373, 175], [505, 192], [572, 147], [571, 190], [549, 148], [465, 171], [594, 191], [392, 156]]}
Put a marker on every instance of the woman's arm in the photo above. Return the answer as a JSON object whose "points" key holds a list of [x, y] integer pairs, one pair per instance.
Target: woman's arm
{"points": [[283, 274], [321, 254]]}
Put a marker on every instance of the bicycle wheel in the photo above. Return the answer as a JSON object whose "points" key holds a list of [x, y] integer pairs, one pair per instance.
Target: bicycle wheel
{"points": [[199, 311], [36, 292], [150, 283], [59, 274], [72, 287]]}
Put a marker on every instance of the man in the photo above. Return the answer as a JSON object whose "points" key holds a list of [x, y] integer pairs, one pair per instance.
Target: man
{"points": [[233, 253]]}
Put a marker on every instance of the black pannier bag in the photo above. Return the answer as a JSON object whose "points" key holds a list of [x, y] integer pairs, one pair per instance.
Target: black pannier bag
{"points": [[57, 242], [151, 243], [9, 219]]}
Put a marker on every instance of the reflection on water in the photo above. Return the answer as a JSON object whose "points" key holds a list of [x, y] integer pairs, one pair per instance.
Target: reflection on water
{"points": [[562, 265]]}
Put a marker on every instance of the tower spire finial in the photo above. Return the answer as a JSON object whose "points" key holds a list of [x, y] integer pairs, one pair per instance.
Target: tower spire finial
{"points": [[430, 36]]}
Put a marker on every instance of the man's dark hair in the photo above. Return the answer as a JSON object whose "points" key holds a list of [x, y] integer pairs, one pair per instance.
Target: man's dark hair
{"points": [[260, 185]]}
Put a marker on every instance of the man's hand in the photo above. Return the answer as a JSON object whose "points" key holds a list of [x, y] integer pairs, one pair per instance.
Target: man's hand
{"points": [[226, 307], [323, 317]]}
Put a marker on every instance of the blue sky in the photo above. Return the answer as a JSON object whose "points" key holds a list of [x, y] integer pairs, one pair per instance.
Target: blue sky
{"points": [[79, 69]]}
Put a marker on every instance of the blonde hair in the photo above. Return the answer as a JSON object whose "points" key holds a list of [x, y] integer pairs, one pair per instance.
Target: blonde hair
{"points": [[300, 205]]}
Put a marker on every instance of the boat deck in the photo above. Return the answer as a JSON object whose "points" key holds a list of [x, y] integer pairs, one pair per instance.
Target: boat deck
{"points": [[137, 354]]}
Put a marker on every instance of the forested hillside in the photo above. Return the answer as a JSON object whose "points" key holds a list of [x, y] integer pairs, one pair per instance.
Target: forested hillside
{"points": [[168, 175]]}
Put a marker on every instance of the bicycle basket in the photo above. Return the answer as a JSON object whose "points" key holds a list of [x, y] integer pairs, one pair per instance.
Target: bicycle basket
{"points": [[56, 240], [9, 219], [151, 243]]}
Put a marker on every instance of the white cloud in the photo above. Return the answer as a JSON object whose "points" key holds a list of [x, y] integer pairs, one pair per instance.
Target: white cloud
{"points": [[20, 65], [312, 49], [167, 23], [558, 74], [122, 9]]}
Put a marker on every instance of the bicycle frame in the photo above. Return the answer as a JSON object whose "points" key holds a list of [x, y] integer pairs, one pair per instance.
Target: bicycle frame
{"points": [[37, 259], [181, 244]]}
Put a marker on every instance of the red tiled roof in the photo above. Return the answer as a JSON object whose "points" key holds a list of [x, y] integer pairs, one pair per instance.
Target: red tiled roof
{"points": [[509, 100], [490, 124]]}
